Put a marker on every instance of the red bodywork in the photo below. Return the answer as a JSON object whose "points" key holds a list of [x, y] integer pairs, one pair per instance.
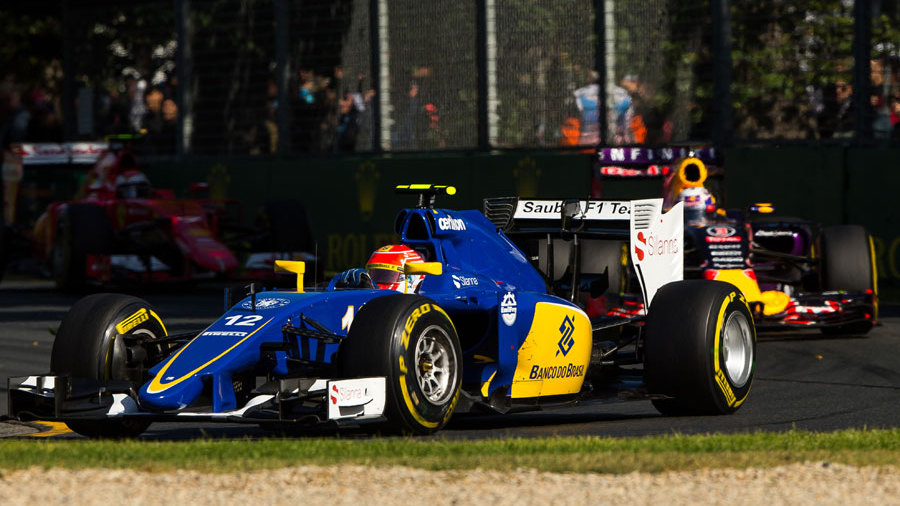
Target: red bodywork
{"points": [[191, 225]]}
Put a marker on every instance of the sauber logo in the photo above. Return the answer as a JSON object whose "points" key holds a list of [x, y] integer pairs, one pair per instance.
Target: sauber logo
{"points": [[566, 341], [654, 246]]}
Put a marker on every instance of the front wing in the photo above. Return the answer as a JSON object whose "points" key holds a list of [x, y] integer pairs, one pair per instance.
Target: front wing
{"points": [[296, 400]]}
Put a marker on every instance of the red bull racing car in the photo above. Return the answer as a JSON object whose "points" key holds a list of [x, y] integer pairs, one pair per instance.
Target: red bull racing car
{"points": [[795, 273], [454, 318]]}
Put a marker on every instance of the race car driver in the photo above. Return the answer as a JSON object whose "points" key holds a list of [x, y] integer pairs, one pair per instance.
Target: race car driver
{"points": [[133, 184], [384, 270]]}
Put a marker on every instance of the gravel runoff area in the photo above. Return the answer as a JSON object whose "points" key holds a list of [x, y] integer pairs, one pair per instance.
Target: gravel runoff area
{"points": [[812, 483]]}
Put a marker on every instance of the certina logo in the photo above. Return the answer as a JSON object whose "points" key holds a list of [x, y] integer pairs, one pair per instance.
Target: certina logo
{"points": [[461, 281], [508, 309], [267, 303], [223, 333], [651, 245], [721, 231], [448, 223], [566, 341]]}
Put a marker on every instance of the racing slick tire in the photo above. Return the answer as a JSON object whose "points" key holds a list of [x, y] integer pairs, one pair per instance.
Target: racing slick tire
{"points": [[700, 348], [90, 344], [409, 340], [848, 264], [81, 229]]}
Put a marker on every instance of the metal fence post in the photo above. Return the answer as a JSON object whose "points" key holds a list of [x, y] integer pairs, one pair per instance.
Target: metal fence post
{"points": [[862, 69], [184, 71], [68, 85], [721, 35], [602, 61], [482, 64], [375, 72], [282, 75]]}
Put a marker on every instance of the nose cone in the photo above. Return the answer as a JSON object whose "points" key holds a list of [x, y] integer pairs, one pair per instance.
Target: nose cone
{"points": [[219, 260], [157, 395]]}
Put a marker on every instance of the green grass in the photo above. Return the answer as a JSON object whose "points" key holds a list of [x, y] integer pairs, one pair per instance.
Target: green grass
{"points": [[564, 454]]}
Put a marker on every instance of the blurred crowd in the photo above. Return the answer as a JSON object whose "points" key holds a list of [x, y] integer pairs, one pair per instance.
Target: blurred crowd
{"points": [[833, 110], [28, 115], [330, 112]]}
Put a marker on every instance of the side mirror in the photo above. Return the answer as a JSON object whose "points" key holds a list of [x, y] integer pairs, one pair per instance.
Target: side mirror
{"points": [[435, 268], [294, 266]]}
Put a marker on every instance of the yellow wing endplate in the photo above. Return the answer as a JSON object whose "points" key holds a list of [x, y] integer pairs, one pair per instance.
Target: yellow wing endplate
{"points": [[294, 266]]}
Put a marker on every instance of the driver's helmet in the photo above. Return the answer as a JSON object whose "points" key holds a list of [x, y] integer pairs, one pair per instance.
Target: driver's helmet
{"points": [[385, 267], [698, 204], [133, 184]]}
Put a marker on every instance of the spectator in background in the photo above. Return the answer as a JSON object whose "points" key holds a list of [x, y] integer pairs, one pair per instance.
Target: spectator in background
{"points": [[622, 111], [134, 93], [836, 118], [586, 99], [307, 112], [45, 124], [880, 92], [351, 108], [14, 117], [160, 121]]}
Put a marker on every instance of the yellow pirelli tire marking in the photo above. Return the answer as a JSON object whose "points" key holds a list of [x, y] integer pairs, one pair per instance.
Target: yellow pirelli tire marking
{"points": [[720, 378], [407, 398], [139, 317]]}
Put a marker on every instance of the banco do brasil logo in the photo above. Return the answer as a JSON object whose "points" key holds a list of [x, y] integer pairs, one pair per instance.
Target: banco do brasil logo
{"points": [[566, 341]]}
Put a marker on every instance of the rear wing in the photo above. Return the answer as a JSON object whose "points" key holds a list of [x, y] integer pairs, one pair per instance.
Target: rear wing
{"points": [[654, 238], [55, 154]]}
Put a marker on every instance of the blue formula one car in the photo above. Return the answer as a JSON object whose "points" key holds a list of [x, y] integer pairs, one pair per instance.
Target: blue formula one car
{"points": [[465, 320]]}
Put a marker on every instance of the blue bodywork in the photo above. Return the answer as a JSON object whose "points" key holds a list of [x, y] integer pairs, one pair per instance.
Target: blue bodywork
{"points": [[303, 331]]}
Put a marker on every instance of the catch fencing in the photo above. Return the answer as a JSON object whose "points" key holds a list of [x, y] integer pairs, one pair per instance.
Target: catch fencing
{"points": [[334, 77]]}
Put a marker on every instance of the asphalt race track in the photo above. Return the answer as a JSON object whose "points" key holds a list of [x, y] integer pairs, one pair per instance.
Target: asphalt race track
{"points": [[803, 380]]}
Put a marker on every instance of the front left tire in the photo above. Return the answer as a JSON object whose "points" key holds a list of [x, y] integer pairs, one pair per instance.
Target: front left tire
{"points": [[92, 343], [412, 342]]}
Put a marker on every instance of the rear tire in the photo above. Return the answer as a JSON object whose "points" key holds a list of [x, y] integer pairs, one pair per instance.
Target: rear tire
{"points": [[411, 341], [700, 348], [90, 344], [81, 229], [848, 265]]}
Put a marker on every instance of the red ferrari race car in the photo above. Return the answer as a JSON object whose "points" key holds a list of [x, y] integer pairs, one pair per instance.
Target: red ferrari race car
{"points": [[795, 273], [118, 228]]}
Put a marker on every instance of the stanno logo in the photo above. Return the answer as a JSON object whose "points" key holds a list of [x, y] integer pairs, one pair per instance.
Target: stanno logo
{"points": [[461, 281], [566, 341], [654, 246]]}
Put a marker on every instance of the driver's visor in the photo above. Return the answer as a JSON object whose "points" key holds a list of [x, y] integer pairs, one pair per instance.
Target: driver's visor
{"points": [[384, 274]]}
